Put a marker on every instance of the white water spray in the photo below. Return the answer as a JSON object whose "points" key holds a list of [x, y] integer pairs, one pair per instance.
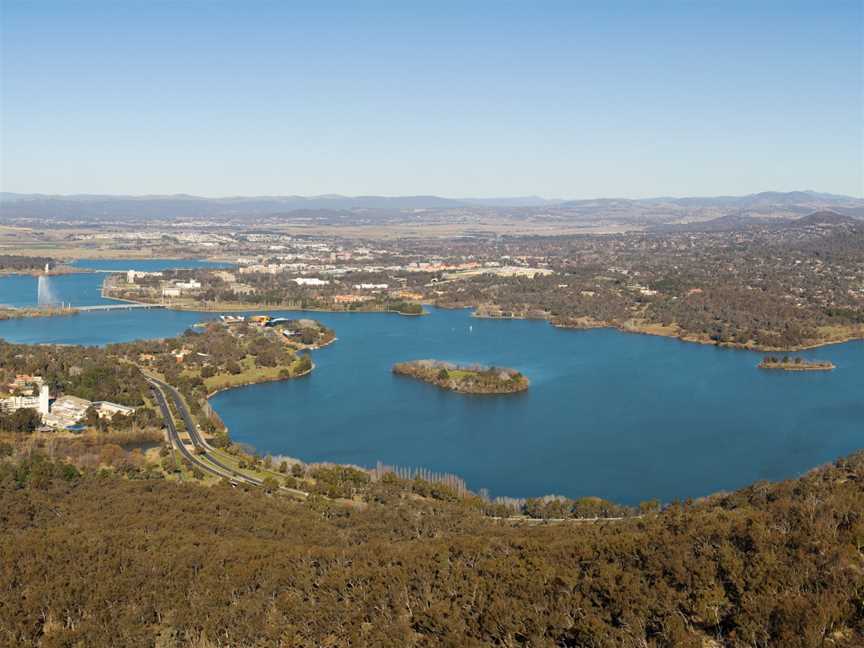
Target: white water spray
{"points": [[45, 291]]}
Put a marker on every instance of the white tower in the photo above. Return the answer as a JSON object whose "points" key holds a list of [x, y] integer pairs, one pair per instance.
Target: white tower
{"points": [[44, 400]]}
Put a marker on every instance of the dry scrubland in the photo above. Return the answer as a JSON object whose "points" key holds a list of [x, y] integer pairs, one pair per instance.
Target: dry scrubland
{"points": [[96, 560]]}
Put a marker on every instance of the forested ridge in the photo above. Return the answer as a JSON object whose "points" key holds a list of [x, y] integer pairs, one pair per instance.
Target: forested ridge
{"points": [[96, 560], [20, 263]]}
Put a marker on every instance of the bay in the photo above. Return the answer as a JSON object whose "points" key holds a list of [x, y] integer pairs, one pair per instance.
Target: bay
{"points": [[609, 414]]}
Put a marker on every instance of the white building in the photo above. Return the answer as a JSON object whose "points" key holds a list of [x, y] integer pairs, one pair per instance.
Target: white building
{"points": [[69, 410], [310, 281], [40, 402], [371, 286], [224, 275], [66, 411], [107, 409], [132, 275]]}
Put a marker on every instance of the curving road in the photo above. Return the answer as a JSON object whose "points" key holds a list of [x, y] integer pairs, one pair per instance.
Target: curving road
{"points": [[211, 465]]}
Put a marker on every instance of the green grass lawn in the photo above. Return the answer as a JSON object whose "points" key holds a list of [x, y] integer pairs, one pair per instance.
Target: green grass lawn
{"points": [[251, 373]]}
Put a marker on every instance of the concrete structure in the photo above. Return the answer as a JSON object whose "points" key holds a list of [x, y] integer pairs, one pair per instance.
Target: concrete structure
{"points": [[40, 402], [63, 412], [241, 289], [224, 275], [351, 299], [44, 400], [310, 281], [371, 286], [107, 409], [68, 410], [132, 275]]}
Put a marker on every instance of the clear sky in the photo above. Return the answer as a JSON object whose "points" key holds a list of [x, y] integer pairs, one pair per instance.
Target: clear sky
{"points": [[566, 99]]}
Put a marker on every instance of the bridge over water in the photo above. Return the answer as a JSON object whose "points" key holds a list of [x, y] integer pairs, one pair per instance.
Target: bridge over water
{"points": [[123, 306]]}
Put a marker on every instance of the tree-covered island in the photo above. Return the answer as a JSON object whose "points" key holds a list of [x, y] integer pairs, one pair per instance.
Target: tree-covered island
{"points": [[794, 364], [472, 379]]}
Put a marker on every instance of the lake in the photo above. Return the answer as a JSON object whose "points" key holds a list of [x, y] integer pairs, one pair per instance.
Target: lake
{"points": [[84, 289], [620, 416]]}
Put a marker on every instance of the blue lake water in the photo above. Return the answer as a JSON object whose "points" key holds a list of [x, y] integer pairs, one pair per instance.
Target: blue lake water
{"points": [[621, 416], [84, 289], [145, 265]]}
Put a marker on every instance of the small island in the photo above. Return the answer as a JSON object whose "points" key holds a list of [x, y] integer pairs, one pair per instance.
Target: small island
{"points": [[794, 364], [11, 312], [472, 379]]}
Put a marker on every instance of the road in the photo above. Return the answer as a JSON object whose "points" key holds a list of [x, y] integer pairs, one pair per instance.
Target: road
{"points": [[202, 450]]}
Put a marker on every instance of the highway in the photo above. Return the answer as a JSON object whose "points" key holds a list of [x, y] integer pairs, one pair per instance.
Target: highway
{"points": [[202, 448], [211, 465]]}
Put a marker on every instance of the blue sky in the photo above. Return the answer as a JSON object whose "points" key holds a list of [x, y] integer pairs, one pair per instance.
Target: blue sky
{"points": [[561, 99]]}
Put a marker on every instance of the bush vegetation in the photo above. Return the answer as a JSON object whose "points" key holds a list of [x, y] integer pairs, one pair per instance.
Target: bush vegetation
{"points": [[91, 559]]}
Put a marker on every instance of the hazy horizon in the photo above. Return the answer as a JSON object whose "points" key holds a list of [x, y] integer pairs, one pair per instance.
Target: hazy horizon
{"points": [[561, 100], [331, 194]]}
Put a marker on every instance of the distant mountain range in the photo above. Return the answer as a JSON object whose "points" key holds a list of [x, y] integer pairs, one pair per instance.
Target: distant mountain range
{"points": [[763, 200], [258, 204], [732, 222], [93, 207]]}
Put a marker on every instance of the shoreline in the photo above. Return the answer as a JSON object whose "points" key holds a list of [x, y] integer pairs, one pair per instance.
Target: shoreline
{"points": [[312, 347], [595, 324], [55, 272], [720, 345], [588, 326], [246, 308], [266, 309], [796, 366], [215, 392], [258, 382], [15, 312]]}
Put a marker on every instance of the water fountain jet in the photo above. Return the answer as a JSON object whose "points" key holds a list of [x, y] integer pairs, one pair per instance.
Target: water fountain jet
{"points": [[44, 290]]}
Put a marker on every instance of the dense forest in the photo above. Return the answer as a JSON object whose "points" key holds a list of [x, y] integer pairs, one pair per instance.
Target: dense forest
{"points": [[91, 559], [92, 373], [19, 263]]}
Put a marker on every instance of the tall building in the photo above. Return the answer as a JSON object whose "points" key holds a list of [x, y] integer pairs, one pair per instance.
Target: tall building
{"points": [[44, 400]]}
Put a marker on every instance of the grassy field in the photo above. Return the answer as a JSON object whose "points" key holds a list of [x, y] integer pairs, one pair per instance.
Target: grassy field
{"points": [[251, 374]]}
